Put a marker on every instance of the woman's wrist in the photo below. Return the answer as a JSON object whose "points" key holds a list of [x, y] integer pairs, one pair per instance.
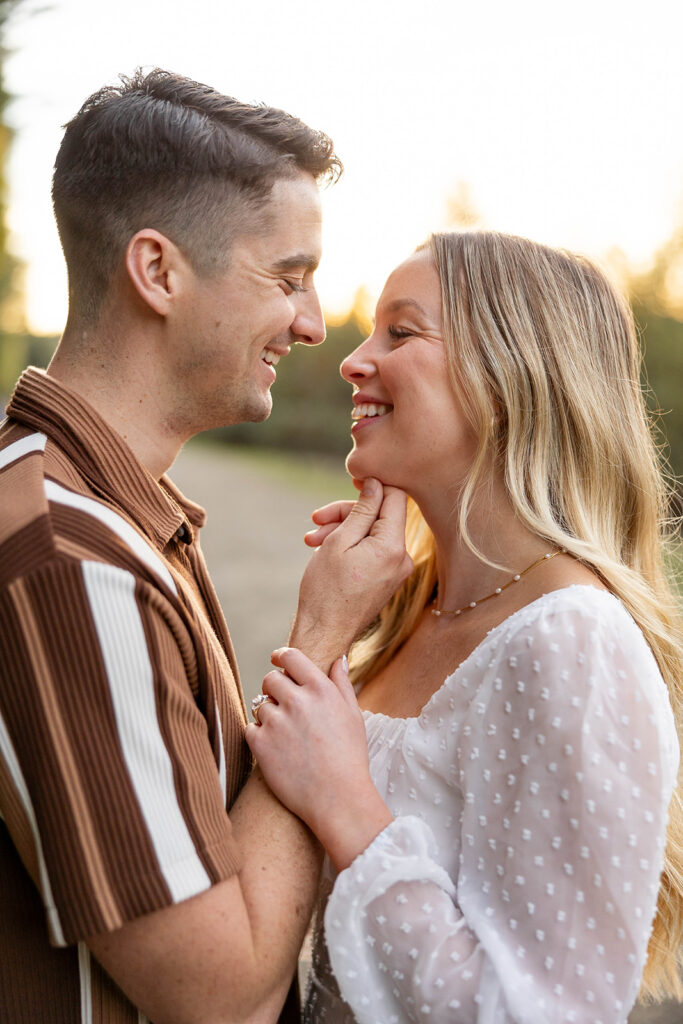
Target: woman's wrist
{"points": [[348, 826]]}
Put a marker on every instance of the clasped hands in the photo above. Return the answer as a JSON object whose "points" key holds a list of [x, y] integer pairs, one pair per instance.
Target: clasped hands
{"points": [[310, 742]]}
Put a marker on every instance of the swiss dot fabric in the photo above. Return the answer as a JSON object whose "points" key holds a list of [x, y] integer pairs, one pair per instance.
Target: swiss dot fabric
{"points": [[519, 879]]}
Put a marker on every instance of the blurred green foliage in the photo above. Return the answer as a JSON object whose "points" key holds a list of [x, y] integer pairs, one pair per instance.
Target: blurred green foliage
{"points": [[8, 264], [657, 301]]}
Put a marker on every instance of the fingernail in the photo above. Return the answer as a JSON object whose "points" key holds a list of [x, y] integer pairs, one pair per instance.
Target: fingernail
{"points": [[369, 487], [345, 664]]}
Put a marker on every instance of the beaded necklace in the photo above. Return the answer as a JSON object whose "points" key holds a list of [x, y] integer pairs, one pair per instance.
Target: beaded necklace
{"points": [[499, 590]]}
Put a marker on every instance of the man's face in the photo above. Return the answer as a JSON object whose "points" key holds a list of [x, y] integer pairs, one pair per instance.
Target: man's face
{"points": [[237, 324]]}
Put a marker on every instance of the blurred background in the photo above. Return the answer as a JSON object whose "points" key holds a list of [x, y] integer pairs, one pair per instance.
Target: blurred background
{"points": [[559, 122]]}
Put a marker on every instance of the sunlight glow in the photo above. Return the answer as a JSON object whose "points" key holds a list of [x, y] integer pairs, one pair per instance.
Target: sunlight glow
{"points": [[561, 121]]}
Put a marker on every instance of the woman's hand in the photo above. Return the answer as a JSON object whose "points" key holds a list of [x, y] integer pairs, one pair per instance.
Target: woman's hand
{"points": [[311, 747]]}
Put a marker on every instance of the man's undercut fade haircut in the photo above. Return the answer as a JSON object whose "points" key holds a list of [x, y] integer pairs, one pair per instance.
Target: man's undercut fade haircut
{"points": [[161, 151]]}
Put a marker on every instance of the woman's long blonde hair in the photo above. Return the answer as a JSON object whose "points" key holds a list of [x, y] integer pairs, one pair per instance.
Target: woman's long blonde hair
{"points": [[543, 355]]}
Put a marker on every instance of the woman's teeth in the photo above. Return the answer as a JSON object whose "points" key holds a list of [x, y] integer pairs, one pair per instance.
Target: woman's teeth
{"points": [[270, 357], [360, 412]]}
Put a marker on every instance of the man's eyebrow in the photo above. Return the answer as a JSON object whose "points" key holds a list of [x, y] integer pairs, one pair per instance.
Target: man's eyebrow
{"points": [[300, 261]]}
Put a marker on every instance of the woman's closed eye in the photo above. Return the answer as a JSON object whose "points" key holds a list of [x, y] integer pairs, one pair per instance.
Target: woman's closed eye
{"points": [[399, 333]]}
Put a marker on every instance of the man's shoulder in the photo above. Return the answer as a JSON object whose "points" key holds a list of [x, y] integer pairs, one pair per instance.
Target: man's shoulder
{"points": [[41, 490], [24, 512]]}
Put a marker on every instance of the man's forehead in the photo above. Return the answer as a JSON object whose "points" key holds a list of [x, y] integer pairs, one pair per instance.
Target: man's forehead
{"points": [[286, 233]]}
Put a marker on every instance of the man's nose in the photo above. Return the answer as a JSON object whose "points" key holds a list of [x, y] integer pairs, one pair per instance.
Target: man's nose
{"points": [[308, 326]]}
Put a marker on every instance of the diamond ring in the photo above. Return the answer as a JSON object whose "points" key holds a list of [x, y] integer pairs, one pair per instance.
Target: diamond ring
{"points": [[258, 702]]}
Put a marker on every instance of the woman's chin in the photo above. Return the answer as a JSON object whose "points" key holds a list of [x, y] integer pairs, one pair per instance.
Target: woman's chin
{"points": [[361, 468], [358, 467]]}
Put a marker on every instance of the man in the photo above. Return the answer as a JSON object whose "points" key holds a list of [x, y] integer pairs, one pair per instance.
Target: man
{"points": [[190, 225]]}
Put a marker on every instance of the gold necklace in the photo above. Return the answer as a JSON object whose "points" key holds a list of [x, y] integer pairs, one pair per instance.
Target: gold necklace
{"points": [[499, 590]]}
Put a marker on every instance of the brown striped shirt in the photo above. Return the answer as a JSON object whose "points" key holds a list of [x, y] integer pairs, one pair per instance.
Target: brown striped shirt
{"points": [[121, 713]]}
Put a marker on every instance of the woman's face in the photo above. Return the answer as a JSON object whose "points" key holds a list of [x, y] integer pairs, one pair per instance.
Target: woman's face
{"points": [[409, 428]]}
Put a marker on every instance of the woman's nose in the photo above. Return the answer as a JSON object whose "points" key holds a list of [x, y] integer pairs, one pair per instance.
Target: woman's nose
{"points": [[359, 364]]}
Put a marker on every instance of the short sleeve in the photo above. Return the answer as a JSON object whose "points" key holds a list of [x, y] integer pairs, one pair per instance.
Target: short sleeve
{"points": [[106, 754]]}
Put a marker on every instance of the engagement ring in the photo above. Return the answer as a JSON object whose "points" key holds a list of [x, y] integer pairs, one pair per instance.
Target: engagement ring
{"points": [[258, 702]]}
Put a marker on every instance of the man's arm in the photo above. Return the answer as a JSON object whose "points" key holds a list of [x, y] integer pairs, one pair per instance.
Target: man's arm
{"points": [[228, 954]]}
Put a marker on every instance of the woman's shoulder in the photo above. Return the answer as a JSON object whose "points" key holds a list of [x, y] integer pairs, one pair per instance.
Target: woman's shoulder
{"points": [[571, 615], [579, 647], [580, 629]]}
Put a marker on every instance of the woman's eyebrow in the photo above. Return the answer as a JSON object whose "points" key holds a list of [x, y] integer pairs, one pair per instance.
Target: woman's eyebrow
{"points": [[396, 304]]}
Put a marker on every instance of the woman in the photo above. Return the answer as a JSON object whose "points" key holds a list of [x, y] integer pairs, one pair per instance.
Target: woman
{"points": [[500, 857]]}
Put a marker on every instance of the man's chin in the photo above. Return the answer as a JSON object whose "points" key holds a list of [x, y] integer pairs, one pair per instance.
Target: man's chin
{"points": [[259, 411]]}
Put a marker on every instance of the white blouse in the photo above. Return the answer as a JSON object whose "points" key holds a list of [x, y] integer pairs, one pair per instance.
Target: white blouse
{"points": [[519, 879]]}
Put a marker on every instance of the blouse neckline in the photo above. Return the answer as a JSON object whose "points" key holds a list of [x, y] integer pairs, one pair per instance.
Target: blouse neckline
{"points": [[492, 633]]}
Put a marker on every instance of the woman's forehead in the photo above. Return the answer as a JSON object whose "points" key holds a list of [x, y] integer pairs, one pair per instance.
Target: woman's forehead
{"points": [[415, 282]]}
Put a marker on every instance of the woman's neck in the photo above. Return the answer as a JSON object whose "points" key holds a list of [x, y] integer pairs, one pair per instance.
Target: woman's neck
{"points": [[495, 532]]}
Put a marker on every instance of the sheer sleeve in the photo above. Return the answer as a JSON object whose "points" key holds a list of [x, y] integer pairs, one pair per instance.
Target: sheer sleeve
{"points": [[566, 759]]}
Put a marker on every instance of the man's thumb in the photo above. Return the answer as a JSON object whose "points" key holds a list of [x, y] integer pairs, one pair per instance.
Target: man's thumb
{"points": [[364, 513]]}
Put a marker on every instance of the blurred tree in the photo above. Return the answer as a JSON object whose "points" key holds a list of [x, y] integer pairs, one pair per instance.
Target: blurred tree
{"points": [[18, 348], [8, 264], [657, 300], [14, 343]]}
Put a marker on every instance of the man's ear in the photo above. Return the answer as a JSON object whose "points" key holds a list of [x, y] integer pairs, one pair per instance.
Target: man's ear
{"points": [[155, 267]]}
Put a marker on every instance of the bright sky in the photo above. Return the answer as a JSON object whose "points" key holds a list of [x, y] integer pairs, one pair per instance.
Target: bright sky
{"points": [[563, 118]]}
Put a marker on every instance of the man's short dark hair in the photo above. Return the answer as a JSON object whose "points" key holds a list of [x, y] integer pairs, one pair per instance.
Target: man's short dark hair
{"points": [[161, 151]]}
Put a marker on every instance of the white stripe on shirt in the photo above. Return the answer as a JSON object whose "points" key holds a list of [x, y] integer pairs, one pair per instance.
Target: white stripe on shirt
{"points": [[55, 492], [32, 443], [221, 756], [85, 981], [111, 593]]}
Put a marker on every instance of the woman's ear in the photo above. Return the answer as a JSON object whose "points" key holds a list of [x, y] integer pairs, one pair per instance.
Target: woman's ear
{"points": [[154, 265]]}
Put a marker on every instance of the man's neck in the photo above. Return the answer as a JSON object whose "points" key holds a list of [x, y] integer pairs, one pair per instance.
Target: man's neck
{"points": [[118, 389]]}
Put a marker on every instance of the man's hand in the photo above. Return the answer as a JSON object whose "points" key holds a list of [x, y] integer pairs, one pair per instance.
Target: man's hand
{"points": [[358, 567]]}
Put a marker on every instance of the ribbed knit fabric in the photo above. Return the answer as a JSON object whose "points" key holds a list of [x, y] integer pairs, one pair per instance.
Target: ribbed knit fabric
{"points": [[121, 713]]}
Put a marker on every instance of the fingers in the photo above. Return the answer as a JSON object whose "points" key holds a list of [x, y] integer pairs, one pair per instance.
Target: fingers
{"points": [[393, 511], [314, 538], [363, 515], [390, 526], [297, 665], [335, 512], [328, 519], [339, 675]]}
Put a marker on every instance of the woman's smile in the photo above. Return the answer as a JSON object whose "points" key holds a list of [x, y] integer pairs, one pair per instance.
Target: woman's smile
{"points": [[368, 409]]}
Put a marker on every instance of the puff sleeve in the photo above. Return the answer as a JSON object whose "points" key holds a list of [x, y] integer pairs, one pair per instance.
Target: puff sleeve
{"points": [[566, 759]]}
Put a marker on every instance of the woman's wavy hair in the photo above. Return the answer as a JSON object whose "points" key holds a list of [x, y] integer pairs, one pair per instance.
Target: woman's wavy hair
{"points": [[543, 355]]}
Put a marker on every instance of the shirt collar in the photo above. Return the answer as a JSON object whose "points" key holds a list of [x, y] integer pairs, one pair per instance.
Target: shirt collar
{"points": [[103, 457]]}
